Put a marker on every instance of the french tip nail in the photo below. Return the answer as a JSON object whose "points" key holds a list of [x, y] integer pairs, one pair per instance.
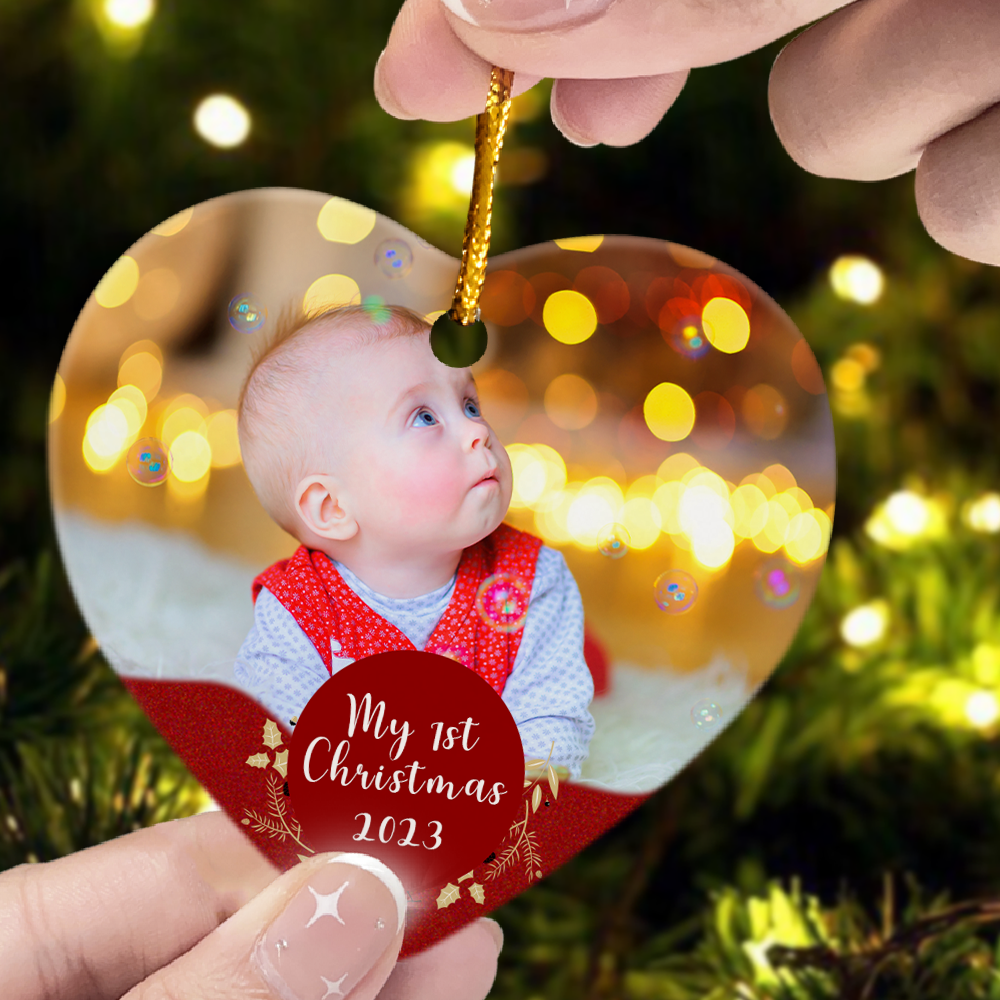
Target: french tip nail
{"points": [[384, 874]]}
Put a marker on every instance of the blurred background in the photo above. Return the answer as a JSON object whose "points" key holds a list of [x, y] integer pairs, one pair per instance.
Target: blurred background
{"points": [[839, 838]]}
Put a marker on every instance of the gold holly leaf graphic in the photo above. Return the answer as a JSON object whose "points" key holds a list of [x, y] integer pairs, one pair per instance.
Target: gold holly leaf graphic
{"points": [[553, 782], [448, 895], [281, 763], [465, 876], [272, 734], [259, 760], [536, 798], [477, 893], [535, 763]]}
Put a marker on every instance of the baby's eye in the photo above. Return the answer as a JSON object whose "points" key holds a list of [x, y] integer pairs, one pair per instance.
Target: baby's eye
{"points": [[424, 418], [472, 408]]}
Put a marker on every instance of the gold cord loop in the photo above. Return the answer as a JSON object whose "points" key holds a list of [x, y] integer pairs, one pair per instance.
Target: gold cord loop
{"points": [[490, 128]]}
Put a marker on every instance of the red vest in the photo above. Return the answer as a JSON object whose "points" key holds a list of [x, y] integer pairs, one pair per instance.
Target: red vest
{"points": [[481, 627]]}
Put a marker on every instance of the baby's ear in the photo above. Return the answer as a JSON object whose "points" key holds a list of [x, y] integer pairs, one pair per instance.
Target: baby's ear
{"points": [[318, 507]]}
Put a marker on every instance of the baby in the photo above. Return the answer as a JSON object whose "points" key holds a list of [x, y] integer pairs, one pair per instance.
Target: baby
{"points": [[376, 457]]}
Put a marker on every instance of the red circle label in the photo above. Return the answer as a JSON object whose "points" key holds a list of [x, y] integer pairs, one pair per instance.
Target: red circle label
{"points": [[409, 757]]}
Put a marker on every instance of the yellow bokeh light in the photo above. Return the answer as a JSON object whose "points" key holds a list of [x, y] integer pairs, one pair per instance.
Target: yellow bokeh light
{"points": [[581, 244], [669, 412], [701, 508], [746, 501], [570, 402], [907, 513], [713, 544], [762, 482], [569, 316], [331, 290], [222, 121], [341, 221], [551, 521], [539, 475], [128, 13], [711, 480], [57, 399], [144, 372], [805, 538], [173, 225], [867, 356], [183, 420], [156, 294], [643, 521], [857, 279], [676, 466], [606, 487], [726, 325], [132, 403], [848, 375], [644, 486], [983, 514], [667, 499], [119, 284], [436, 168], [588, 513], [224, 439], [780, 476], [981, 709], [191, 456], [986, 663], [865, 625], [105, 436], [463, 173]]}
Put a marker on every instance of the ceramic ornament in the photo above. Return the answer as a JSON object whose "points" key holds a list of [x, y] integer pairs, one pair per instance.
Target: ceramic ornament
{"points": [[654, 494]]}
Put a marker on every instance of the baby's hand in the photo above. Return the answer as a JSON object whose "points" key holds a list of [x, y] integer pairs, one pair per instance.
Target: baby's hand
{"points": [[863, 95]]}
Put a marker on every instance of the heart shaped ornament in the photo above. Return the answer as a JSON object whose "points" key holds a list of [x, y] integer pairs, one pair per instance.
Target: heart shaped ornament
{"points": [[671, 483]]}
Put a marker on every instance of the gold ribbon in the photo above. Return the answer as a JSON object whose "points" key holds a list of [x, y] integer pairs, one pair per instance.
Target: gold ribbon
{"points": [[490, 128]]}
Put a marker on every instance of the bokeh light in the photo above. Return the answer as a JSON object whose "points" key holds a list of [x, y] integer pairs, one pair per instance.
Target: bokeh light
{"points": [[143, 369], [857, 279], [983, 514], [865, 625], [341, 221], [669, 412], [907, 513], [726, 325], [463, 172], [569, 316], [581, 244], [765, 412], [128, 13], [224, 439], [222, 121], [570, 402], [191, 456], [331, 290], [119, 284], [981, 709], [57, 399], [105, 437], [173, 225], [847, 375]]}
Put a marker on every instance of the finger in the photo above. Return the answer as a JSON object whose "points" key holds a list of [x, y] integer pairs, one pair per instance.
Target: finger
{"points": [[958, 188], [615, 112], [93, 924], [436, 63], [461, 967], [330, 927], [426, 72], [630, 38], [860, 95]]}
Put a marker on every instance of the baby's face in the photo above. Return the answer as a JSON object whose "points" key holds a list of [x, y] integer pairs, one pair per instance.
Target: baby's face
{"points": [[418, 467]]}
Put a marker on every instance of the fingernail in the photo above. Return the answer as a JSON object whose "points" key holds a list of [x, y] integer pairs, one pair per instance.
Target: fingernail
{"points": [[334, 929], [527, 15], [384, 95]]}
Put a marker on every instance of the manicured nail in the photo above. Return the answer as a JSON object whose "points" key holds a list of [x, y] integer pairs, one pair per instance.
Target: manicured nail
{"points": [[527, 15], [333, 931], [384, 95]]}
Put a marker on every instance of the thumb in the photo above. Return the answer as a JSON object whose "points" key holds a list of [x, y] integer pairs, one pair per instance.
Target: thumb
{"points": [[330, 927]]}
